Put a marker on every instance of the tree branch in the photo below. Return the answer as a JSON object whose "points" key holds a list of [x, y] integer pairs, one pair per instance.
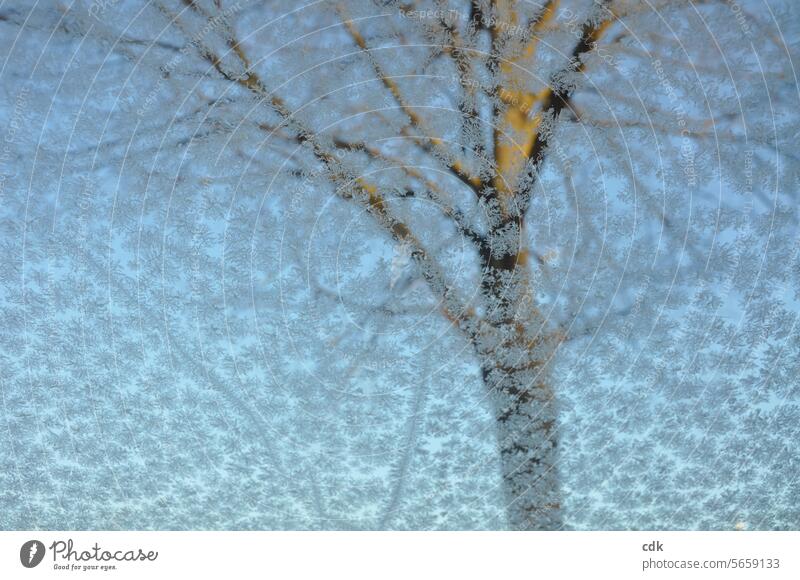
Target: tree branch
{"points": [[436, 194], [556, 99], [430, 144], [351, 187]]}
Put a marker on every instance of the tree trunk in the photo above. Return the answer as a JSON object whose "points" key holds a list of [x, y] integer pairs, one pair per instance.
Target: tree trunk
{"points": [[525, 411], [514, 349]]}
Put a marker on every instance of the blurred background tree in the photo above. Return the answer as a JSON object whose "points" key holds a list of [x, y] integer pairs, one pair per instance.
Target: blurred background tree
{"points": [[373, 264]]}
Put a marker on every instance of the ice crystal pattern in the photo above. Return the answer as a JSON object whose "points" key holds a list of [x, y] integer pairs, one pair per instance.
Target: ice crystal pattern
{"points": [[399, 265]]}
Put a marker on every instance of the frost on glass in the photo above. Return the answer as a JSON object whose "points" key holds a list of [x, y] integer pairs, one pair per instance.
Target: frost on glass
{"points": [[385, 265]]}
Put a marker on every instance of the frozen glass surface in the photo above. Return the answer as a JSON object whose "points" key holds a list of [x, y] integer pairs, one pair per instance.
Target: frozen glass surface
{"points": [[384, 265]]}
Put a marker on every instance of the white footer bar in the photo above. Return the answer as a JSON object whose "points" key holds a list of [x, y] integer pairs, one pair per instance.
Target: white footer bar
{"points": [[406, 555]]}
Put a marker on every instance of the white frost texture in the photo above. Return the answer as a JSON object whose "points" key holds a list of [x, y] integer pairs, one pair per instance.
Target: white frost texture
{"points": [[380, 264]]}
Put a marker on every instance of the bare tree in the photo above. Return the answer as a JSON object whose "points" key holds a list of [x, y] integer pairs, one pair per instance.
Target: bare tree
{"points": [[551, 176]]}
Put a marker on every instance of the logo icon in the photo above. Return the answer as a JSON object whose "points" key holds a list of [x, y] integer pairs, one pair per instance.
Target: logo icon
{"points": [[31, 553]]}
